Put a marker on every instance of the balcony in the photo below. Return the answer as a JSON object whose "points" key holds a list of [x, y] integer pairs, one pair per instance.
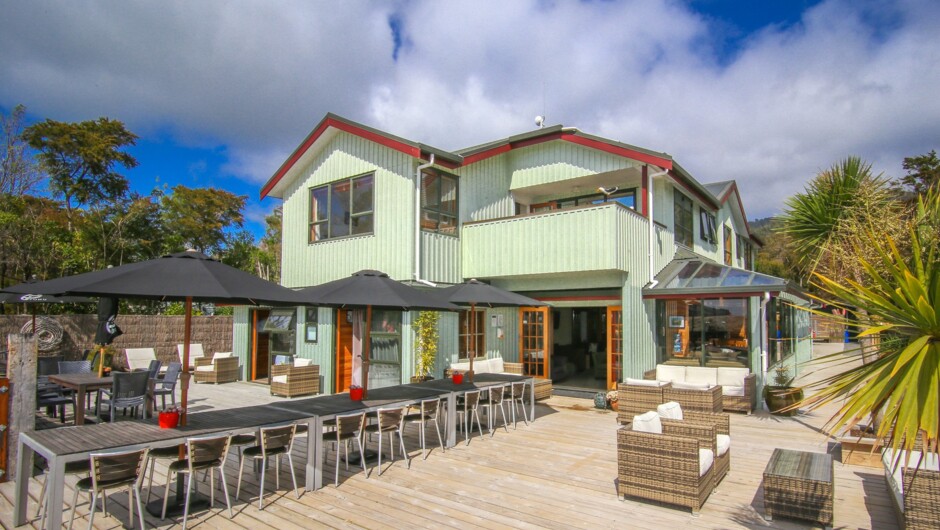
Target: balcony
{"points": [[599, 237]]}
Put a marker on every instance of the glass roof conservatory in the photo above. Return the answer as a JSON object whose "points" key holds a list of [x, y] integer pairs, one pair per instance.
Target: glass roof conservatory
{"points": [[701, 277]]}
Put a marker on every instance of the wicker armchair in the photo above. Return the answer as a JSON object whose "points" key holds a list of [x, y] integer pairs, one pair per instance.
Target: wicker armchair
{"points": [[745, 403], [665, 467], [704, 400], [915, 493], [289, 380], [721, 422], [221, 368], [636, 397]]}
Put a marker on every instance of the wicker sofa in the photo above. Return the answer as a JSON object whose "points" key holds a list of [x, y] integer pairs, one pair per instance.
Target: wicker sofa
{"points": [[298, 379], [675, 467], [221, 368], [914, 491], [496, 365], [636, 396], [737, 387]]}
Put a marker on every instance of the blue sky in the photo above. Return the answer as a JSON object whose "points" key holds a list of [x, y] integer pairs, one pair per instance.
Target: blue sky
{"points": [[221, 92]]}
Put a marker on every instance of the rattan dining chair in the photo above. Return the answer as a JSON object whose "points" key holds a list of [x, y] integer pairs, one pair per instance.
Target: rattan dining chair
{"points": [[346, 428], [110, 471], [275, 441], [390, 421], [429, 410], [495, 395], [205, 453], [517, 397], [471, 409]]}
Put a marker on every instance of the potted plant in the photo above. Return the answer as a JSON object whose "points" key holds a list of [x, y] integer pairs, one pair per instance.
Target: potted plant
{"points": [[781, 397], [426, 336], [355, 393], [169, 418], [612, 397]]}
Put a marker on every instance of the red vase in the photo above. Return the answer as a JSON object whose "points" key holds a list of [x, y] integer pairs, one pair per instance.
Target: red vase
{"points": [[355, 394], [458, 379]]}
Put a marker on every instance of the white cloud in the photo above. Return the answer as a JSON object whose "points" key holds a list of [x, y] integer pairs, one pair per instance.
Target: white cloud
{"points": [[849, 78]]}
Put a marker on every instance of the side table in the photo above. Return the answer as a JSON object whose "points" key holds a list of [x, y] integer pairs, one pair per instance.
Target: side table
{"points": [[798, 484]]}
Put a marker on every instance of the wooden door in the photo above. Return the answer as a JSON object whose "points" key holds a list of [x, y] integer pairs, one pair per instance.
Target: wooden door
{"points": [[614, 346], [344, 335], [535, 341], [259, 345]]}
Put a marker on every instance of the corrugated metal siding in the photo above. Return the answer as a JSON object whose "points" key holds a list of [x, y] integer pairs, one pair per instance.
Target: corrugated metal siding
{"points": [[241, 335], [484, 190], [558, 160], [440, 258], [389, 249], [596, 238]]}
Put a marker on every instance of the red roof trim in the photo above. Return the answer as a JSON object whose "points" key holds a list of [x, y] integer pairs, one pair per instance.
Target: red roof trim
{"points": [[342, 126], [483, 155], [618, 150]]}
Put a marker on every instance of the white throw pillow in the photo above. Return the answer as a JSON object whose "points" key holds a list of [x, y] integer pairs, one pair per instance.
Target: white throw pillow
{"points": [[645, 382], [669, 373], [648, 422], [670, 410], [698, 374], [496, 365], [732, 391], [705, 459], [724, 443], [692, 386], [481, 366], [222, 354], [300, 361], [732, 376]]}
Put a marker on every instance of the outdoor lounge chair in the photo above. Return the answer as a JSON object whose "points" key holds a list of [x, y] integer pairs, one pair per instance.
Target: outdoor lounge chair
{"points": [[195, 352], [298, 379], [221, 368], [672, 411], [636, 396], [914, 490], [139, 358], [665, 462]]}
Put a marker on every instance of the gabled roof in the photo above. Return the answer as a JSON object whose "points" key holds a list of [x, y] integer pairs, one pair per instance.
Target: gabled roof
{"points": [[723, 191]]}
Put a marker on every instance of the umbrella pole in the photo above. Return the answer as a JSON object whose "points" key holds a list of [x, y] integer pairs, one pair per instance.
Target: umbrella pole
{"points": [[184, 375], [367, 352], [472, 344]]}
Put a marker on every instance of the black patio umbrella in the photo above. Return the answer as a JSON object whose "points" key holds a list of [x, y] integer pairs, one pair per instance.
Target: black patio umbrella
{"points": [[184, 276], [367, 289], [473, 293], [36, 298]]}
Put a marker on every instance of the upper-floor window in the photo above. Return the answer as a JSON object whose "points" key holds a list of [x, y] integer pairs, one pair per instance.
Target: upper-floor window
{"points": [[624, 197], [708, 230], [744, 251], [682, 217], [728, 239], [439, 202], [342, 208]]}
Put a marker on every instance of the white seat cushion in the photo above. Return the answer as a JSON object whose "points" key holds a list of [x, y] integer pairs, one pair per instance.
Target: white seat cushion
{"points": [[300, 361], [732, 390], [668, 373], [705, 460], [732, 376], [698, 374], [670, 410], [692, 386], [460, 367], [282, 379], [648, 422], [222, 354], [207, 368], [645, 382], [724, 443]]}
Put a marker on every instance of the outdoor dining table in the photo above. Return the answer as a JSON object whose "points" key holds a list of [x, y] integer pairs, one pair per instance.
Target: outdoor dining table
{"points": [[81, 384], [69, 444]]}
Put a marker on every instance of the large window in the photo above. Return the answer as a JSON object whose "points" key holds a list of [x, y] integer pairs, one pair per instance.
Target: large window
{"points": [[728, 239], [472, 333], [439, 202], [624, 197], [703, 332], [342, 208], [682, 208]]}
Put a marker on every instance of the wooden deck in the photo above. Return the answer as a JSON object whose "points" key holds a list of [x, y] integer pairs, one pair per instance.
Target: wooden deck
{"points": [[558, 472]]}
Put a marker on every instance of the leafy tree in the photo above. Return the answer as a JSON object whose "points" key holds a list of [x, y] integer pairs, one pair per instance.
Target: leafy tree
{"points": [[827, 224], [268, 260], [19, 173], [122, 231], [902, 303], [923, 173], [240, 251], [81, 159], [33, 238], [201, 218]]}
